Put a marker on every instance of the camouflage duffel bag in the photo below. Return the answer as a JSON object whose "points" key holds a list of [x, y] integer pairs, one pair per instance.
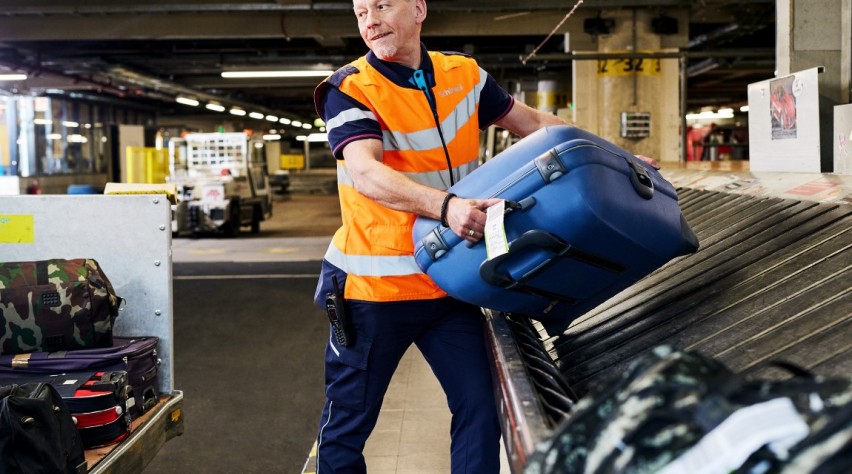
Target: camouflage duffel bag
{"points": [[54, 305], [674, 412]]}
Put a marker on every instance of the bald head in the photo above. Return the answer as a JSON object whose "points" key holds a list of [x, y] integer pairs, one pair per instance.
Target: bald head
{"points": [[391, 28]]}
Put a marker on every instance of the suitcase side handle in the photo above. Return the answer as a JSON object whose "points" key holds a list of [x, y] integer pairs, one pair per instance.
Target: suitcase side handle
{"points": [[434, 243], [640, 180], [490, 272]]}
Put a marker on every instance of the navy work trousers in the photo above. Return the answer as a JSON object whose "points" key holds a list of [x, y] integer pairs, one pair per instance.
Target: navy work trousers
{"points": [[450, 334]]}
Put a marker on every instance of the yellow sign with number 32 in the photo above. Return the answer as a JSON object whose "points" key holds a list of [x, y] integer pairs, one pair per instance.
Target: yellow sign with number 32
{"points": [[629, 67]]}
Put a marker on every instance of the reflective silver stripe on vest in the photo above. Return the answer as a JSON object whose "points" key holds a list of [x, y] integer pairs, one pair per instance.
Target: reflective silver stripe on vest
{"points": [[343, 176], [429, 139], [464, 110], [433, 179], [371, 265], [441, 179], [349, 115]]}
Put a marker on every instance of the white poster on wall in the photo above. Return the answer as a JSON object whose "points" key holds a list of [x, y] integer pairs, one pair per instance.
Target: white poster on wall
{"points": [[842, 138], [784, 123]]}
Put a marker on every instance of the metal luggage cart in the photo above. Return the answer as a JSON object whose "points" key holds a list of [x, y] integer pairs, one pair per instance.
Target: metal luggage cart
{"points": [[130, 237]]}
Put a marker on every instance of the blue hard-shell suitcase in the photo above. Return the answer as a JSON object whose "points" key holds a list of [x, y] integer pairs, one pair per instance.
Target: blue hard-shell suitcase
{"points": [[585, 219]]}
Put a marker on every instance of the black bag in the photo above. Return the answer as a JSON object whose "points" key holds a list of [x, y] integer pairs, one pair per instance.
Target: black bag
{"points": [[37, 433]]}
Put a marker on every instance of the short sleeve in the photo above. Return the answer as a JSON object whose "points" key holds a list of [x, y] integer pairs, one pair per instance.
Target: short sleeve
{"points": [[494, 103], [347, 120]]}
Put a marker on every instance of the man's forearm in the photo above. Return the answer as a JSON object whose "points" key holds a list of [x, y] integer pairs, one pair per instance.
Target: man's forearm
{"points": [[394, 190]]}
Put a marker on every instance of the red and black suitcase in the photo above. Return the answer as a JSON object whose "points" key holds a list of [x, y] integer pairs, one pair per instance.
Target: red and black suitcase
{"points": [[135, 355], [585, 219], [99, 403]]}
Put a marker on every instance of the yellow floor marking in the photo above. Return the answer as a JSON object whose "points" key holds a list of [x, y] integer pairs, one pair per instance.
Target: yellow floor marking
{"points": [[206, 251], [282, 250]]}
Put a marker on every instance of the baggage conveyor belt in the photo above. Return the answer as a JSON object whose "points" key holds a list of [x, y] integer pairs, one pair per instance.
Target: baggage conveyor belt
{"points": [[771, 281]]}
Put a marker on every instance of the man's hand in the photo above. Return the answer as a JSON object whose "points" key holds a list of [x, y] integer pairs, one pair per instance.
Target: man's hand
{"points": [[650, 161], [466, 217]]}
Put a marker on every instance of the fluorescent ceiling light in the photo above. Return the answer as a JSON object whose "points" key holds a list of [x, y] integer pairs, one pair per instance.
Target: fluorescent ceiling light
{"points": [[314, 137], [261, 74], [272, 118], [296, 123], [285, 121], [70, 124], [272, 136], [239, 112], [256, 115], [215, 107], [40, 121], [187, 101], [307, 126], [16, 77], [744, 108], [709, 115]]}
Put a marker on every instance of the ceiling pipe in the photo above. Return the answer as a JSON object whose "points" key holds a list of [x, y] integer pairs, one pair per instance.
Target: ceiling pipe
{"points": [[713, 35], [142, 86], [151, 7]]}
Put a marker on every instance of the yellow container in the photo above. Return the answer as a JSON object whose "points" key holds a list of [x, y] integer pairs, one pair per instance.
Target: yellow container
{"points": [[147, 165], [292, 162]]}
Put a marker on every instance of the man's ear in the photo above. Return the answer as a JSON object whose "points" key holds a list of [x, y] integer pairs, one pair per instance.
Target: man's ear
{"points": [[420, 10]]}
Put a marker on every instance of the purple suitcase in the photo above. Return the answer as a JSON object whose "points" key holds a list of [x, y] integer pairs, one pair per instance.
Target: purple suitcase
{"points": [[137, 356]]}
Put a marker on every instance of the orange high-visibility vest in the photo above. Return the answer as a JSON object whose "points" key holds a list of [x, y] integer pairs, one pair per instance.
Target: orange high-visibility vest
{"points": [[374, 245]]}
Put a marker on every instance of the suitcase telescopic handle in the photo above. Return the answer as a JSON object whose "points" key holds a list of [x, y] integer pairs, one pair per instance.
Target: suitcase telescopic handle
{"points": [[491, 273]]}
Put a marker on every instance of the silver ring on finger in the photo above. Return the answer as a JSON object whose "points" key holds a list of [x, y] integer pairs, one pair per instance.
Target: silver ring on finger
{"points": [[470, 233]]}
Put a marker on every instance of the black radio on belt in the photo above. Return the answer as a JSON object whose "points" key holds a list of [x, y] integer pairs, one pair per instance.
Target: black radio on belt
{"points": [[337, 315]]}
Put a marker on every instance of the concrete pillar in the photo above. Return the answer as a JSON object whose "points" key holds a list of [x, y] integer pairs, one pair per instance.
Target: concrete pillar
{"points": [[603, 89], [846, 52], [811, 33]]}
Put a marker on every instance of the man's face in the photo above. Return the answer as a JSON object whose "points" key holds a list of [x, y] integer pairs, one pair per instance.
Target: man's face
{"points": [[391, 28]]}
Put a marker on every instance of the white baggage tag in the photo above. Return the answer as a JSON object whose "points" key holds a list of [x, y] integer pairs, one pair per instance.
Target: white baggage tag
{"points": [[495, 233], [775, 423]]}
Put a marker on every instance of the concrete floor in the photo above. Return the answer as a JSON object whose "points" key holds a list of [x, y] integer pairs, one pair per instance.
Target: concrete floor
{"points": [[248, 357]]}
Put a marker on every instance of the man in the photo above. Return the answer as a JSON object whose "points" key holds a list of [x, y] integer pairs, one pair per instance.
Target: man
{"points": [[404, 125]]}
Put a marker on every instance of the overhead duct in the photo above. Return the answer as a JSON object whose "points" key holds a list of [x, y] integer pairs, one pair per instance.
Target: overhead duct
{"points": [[700, 68]]}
